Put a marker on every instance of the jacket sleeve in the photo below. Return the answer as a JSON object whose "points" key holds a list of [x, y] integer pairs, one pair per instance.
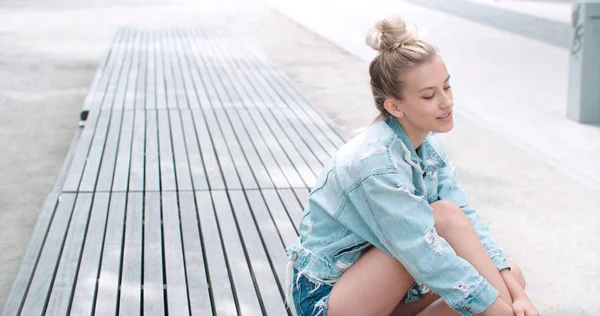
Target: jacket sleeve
{"points": [[401, 224], [450, 189]]}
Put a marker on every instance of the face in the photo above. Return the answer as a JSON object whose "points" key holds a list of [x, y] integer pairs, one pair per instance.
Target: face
{"points": [[427, 104]]}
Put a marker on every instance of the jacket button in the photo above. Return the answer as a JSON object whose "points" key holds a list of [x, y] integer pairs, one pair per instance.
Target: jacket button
{"points": [[465, 309], [294, 256]]}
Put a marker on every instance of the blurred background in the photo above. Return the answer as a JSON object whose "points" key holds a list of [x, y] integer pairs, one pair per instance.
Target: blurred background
{"points": [[531, 171]]}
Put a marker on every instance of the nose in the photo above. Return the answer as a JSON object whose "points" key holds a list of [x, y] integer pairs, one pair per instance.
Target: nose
{"points": [[447, 101]]}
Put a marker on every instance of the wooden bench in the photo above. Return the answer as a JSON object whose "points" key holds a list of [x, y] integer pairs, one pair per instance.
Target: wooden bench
{"points": [[185, 185]]}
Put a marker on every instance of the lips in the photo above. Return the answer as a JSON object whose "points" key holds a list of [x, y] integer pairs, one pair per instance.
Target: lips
{"points": [[445, 117]]}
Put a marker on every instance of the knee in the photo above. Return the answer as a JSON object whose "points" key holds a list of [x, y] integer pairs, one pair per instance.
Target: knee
{"points": [[449, 217], [516, 271]]}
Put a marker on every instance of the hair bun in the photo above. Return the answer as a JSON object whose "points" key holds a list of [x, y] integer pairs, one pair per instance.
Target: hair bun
{"points": [[388, 34]]}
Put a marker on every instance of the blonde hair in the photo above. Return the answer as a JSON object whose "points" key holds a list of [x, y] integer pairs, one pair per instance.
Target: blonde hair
{"points": [[399, 51]]}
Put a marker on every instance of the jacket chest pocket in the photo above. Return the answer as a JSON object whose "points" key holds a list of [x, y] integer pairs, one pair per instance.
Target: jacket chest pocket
{"points": [[430, 178]]}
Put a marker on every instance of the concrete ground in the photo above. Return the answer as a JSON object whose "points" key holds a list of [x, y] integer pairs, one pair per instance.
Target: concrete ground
{"points": [[542, 212]]}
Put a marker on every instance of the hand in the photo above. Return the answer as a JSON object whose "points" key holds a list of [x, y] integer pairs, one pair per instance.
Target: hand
{"points": [[498, 308], [523, 307]]}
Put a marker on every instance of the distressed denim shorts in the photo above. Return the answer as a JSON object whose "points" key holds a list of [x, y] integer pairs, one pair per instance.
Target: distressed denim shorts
{"points": [[310, 299]]}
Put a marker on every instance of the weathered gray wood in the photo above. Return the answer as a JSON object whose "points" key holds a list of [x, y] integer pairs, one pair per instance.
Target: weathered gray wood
{"points": [[263, 75], [236, 257], [270, 235], [94, 98], [211, 164], [302, 195], [115, 89], [177, 89], [110, 268], [152, 175], [292, 206], [257, 153], [170, 89], [131, 273], [63, 285], [223, 156], [198, 173], [283, 85], [123, 163], [45, 268], [198, 290], [87, 278], [241, 162], [19, 289], [269, 289], [224, 303], [94, 157], [109, 158], [153, 257], [140, 86], [165, 155], [136, 168], [132, 79], [161, 93], [182, 166], [150, 93], [177, 297], [182, 68], [286, 115], [280, 217]]}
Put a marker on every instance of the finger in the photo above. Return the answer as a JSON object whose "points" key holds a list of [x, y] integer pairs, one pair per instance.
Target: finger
{"points": [[520, 313]]}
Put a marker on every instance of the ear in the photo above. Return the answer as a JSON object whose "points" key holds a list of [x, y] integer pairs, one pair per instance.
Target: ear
{"points": [[394, 107]]}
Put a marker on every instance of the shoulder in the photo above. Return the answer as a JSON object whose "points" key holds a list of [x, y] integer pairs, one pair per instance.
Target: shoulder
{"points": [[377, 150]]}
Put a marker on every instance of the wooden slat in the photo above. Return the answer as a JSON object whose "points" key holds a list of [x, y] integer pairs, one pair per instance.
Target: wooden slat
{"points": [[270, 235], [150, 93], [224, 303], [63, 286], [180, 154], [241, 163], [123, 163], [41, 283], [236, 256], [223, 156], [282, 84], [94, 157], [182, 69], [261, 266], [165, 155], [103, 74], [136, 167], [280, 217], [30, 260], [139, 97], [161, 93], [109, 158], [197, 169], [211, 164], [177, 297], [152, 168], [131, 273], [127, 92], [292, 206], [262, 75], [87, 278], [115, 92], [257, 153], [110, 268], [198, 290], [153, 257]]}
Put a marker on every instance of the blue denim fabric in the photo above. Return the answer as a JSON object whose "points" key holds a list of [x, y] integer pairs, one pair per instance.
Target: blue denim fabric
{"points": [[377, 190]]}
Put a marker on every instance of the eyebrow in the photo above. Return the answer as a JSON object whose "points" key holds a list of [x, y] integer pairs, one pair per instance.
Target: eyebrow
{"points": [[429, 88]]}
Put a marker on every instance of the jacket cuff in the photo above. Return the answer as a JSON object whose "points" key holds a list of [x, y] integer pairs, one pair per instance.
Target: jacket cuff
{"points": [[499, 259], [480, 299]]}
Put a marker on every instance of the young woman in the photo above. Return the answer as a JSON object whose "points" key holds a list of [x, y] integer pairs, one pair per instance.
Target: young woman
{"points": [[387, 229]]}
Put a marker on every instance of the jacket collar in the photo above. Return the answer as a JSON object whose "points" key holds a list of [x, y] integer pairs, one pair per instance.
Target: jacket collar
{"points": [[426, 156]]}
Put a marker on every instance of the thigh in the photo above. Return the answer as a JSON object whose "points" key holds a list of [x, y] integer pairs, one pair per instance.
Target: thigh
{"points": [[373, 285]]}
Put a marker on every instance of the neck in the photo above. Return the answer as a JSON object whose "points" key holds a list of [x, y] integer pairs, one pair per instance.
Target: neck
{"points": [[415, 135]]}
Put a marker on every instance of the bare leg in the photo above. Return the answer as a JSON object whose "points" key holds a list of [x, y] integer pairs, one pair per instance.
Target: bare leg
{"points": [[377, 282], [456, 228], [373, 285]]}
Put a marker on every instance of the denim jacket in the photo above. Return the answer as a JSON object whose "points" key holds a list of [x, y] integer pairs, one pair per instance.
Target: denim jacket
{"points": [[377, 191]]}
